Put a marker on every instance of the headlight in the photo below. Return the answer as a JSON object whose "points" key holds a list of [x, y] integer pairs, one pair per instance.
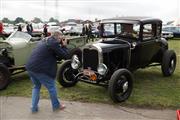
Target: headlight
{"points": [[3, 52], [102, 69], [75, 63]]}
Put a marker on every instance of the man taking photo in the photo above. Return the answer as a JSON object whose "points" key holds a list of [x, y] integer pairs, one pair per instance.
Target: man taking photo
{"points": [[42, 68]]}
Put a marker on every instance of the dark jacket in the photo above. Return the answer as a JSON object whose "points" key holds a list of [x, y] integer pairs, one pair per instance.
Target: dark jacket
{"points": [[29, 28], [44, 57], [45, 31], [19, 28]]}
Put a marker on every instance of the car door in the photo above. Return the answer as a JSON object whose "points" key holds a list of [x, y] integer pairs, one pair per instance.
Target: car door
{"points": [[150, 45], [19, 42], [22, 54], [19, 51], [32, 43]]}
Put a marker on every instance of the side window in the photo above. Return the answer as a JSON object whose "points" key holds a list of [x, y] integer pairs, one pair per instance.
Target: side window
{"points": [[108, 29], [148, 31], [178, 29], [136, 29], [165, 29], [173, 29], [128, 30], [118, 28]]}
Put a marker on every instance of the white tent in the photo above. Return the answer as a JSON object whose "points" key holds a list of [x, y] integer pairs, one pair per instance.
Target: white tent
{"points": [[174, 22], [177, 22]]}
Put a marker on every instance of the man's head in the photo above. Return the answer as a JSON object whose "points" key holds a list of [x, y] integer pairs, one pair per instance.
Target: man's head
{"points": [[58, 36]]}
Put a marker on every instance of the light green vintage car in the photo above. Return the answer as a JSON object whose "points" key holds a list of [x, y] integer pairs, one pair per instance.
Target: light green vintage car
{"points": [[16, 49]]}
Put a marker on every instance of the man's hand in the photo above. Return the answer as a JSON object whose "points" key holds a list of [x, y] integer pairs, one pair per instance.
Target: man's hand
{"points": [[64, 42]]}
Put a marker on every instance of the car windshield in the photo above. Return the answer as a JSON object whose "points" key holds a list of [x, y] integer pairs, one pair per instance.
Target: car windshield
{"points": [[121, 30], [20, 35]]}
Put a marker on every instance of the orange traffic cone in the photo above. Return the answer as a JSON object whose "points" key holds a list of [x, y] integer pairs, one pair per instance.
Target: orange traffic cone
{"points": [[178, 114]]}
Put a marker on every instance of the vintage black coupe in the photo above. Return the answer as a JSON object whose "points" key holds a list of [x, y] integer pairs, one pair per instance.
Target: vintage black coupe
{"points": [[126, 44]]}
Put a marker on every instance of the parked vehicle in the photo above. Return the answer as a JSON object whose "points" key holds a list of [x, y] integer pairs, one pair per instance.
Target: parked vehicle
{"points": [[167, 35], [95, 31], [8, 30], [174, 29], [134, 42], [74, 30], [16, 49], [53, 28]]}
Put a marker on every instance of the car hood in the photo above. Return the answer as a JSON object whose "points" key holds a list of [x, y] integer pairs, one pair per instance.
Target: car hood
{"points": [[111, 44], [16, 43]]}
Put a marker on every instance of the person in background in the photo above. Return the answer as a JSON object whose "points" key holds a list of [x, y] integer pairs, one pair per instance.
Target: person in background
{"points": [[42, 68], [83, 30], [29, 28], [19, 27], [100, 30], [1, 30], [89, 32], [45, 30]]}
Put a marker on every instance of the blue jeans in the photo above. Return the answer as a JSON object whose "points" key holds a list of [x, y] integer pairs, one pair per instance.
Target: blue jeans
{"points": [[39, 79]]}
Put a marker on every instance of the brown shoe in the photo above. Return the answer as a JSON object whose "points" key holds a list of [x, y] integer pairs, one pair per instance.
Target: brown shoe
{"points": [[62, 107]]}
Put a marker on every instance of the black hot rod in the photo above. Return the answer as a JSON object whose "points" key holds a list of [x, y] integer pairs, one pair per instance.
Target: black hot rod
{"points": [[126, 44]]}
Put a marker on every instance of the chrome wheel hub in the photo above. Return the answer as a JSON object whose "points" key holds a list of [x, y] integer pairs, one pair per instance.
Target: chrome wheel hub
{"points": [[172, 63], [125, 86]]}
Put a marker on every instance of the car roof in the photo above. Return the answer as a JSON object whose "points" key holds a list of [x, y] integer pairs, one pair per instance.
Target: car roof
{"points": [[130, 19]]}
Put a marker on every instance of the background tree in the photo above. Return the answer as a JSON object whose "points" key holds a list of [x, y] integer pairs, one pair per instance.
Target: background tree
{"points": [[6, 20], [53, 20], [19, 20], [37, 20]]}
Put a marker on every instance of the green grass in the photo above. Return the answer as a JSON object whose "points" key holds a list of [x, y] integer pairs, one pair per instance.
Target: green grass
{"points": [[150, 90]]}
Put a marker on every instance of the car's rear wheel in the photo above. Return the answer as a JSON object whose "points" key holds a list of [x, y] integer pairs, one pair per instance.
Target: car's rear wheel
{"points": [[66, 74], [120, 85], [168, 64], [4, 76]]}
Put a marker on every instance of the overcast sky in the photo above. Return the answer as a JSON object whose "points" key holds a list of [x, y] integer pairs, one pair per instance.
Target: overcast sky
{"points": [[89, 9]]}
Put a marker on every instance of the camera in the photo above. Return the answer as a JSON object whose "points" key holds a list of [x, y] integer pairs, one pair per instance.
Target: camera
{"points": [[63, 41]]}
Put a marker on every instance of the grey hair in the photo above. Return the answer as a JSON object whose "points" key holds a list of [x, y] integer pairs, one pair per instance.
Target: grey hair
{"points": [[56, 34]]}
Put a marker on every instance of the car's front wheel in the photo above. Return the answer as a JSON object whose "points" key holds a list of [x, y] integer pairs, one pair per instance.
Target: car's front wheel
{"points": [[168, 64], [4, 76], [120, 85], [66, 74]]}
